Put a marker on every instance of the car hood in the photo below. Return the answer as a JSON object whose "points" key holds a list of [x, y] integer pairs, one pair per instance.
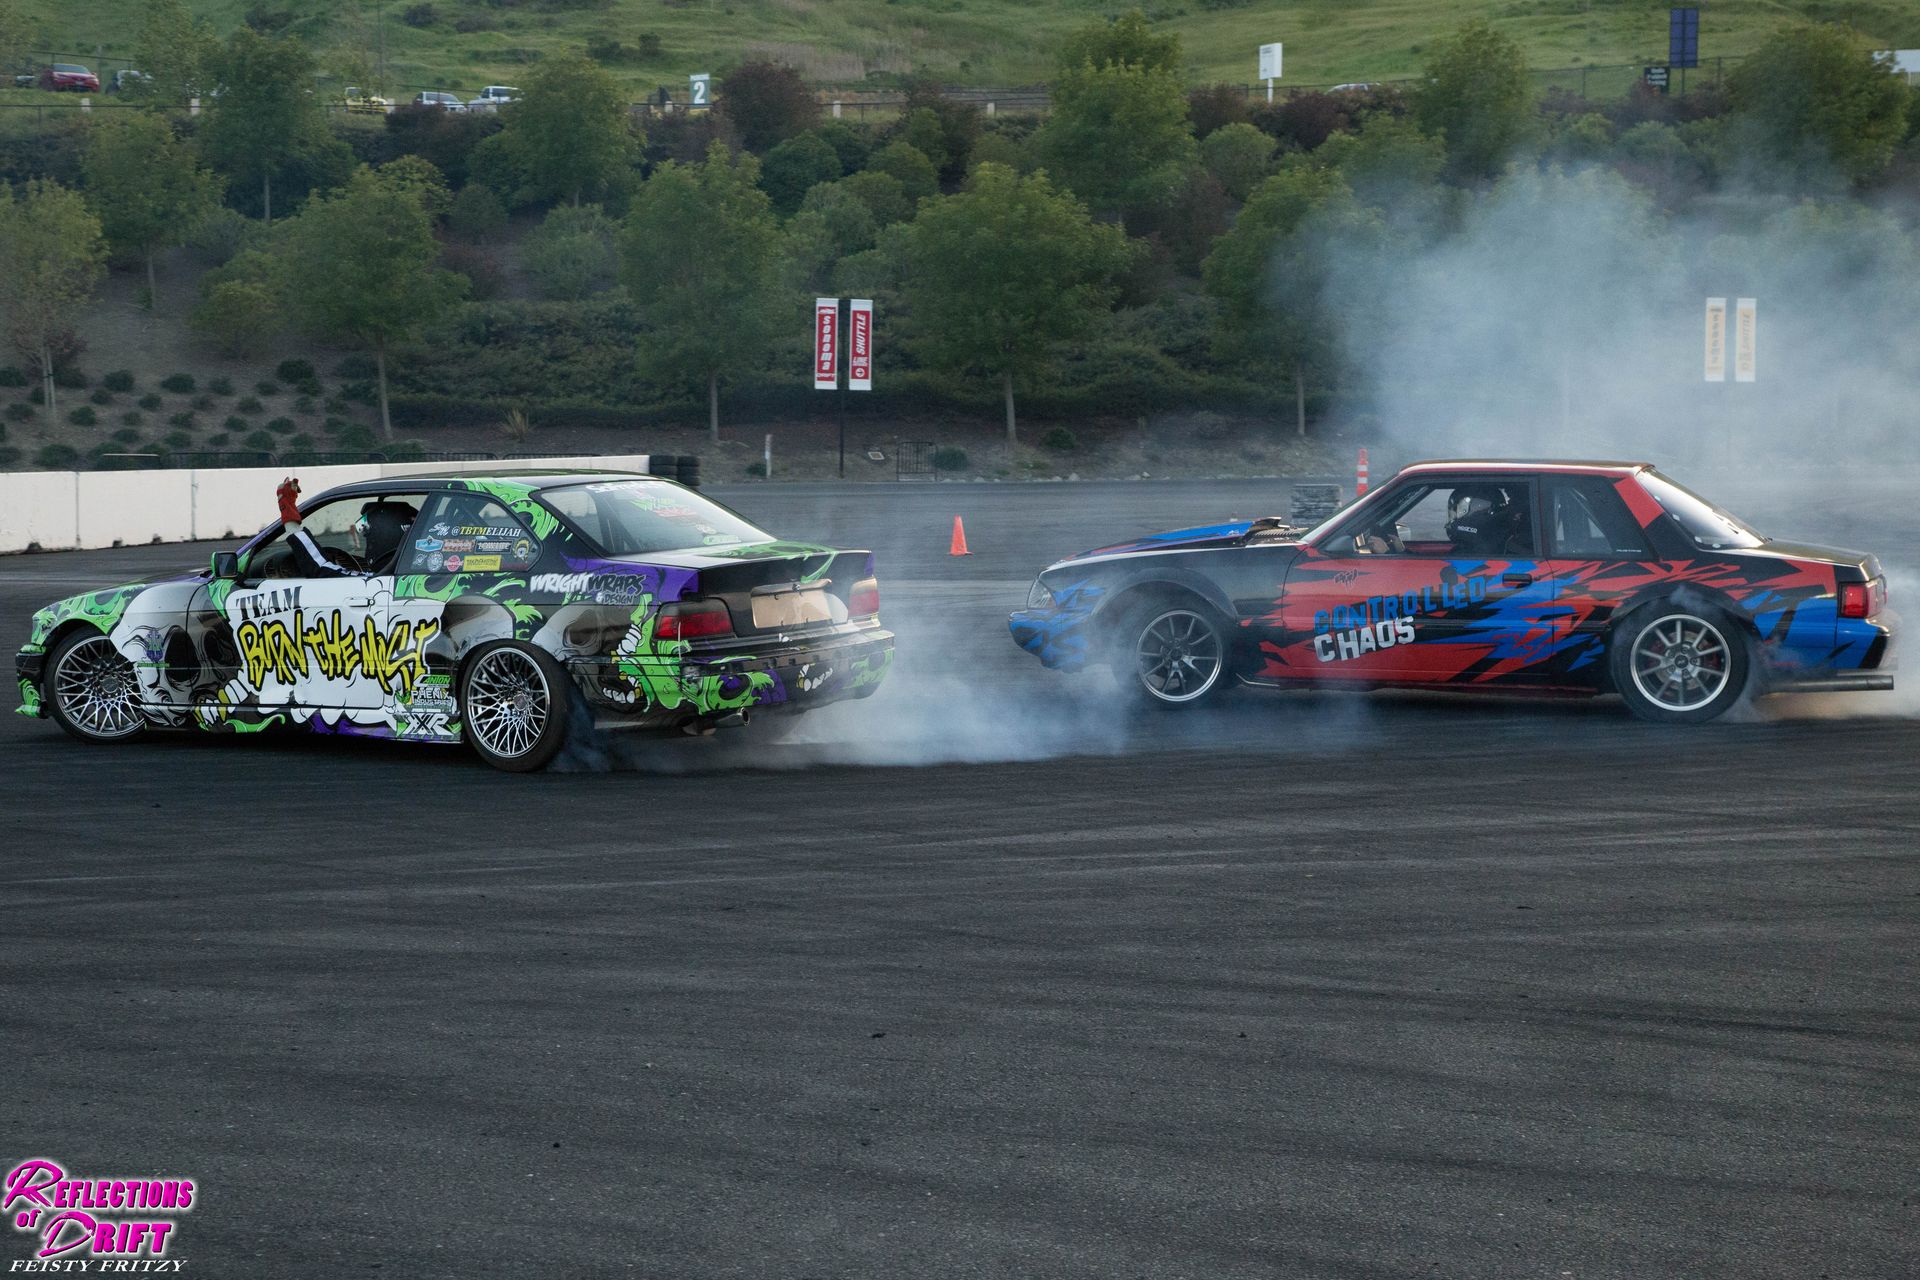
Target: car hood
{"points": [[1231, 534]]}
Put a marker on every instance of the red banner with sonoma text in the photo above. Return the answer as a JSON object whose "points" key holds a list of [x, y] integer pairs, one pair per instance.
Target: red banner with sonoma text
{"points": [[826, 344]]}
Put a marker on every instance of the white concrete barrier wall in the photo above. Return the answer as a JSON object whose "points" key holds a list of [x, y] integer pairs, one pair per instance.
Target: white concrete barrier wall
{"points": [[38, 508], [119, 508], [238, 502], [66, 510]]}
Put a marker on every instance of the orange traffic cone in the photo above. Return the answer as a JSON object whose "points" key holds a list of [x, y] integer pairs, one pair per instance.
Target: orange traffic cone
{"points": [[959, 546]]}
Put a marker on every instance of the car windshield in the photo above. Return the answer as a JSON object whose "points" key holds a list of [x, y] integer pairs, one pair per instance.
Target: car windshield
{"points": [[69, 68], [1705, 523], [635, 517]]}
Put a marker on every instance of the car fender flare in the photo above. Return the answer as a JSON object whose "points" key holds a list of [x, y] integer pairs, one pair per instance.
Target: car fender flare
{"points": [[59, 634], [1687, 595], [1185, 581], [1690, 596]]}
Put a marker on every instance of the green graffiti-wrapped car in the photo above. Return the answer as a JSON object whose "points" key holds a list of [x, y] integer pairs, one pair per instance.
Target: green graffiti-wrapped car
{"points": [[498, 610]]}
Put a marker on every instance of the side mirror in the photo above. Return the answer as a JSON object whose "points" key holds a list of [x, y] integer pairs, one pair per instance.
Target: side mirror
{"points": [[226, 565]]}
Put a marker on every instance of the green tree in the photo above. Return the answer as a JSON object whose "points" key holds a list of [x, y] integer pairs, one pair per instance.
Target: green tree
{"points": [[832, 224], [923, 130], [51, 256], [571, 255], [849, 222], [476, 213], [147, 186], [266, 118], [919, 177], [571, 136], [1127, 41], [1393, 167], [360, 266], [1814, 100], [1475, 94], [1000, 275], [766, 102], [1269, 273], [14, 36], [700, 253], [795, 167], [240, 311], [176, 52], [1240, 156], [884, 195], [422, 179], [1118, 135]]}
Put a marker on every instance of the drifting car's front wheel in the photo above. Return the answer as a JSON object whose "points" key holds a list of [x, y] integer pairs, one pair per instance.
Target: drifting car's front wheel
{"points": [[1172, 655], [92, 689], [514, 704], [1679, 665]]}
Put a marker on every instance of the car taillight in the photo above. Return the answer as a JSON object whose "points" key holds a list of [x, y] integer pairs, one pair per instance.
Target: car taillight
{"points": [[864, 600], [693, 619], [1863, 599]]}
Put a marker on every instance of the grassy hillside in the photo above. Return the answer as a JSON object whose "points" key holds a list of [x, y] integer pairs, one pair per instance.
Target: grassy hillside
{"points": [[980, 42]]}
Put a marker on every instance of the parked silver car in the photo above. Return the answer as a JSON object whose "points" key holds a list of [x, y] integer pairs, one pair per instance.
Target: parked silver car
{"points": [[434, 98]]}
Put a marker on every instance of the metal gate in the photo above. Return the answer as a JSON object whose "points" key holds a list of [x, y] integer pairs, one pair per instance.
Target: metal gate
{"points": [[913, 460]]}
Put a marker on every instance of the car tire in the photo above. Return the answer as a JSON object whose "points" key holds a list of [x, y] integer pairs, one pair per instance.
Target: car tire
{"points": [[1679, 664], [515, 704], [1172, 653], [92, 690]]}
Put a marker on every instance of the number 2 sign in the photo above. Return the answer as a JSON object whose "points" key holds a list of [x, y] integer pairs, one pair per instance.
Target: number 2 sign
{"points": [[697, 89]]}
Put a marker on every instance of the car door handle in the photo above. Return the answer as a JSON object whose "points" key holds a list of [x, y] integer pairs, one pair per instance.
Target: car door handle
{"points": [[1518, 580], [367, 603]]}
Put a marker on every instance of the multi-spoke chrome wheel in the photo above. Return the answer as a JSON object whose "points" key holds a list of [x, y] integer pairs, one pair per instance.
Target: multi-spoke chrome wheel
{"points": [[1679, 663], [508, 701], [514, 704], [1178, 656], [94, 691]]}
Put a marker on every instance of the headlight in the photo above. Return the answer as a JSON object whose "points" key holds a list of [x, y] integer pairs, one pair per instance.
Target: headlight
{"points": [[1038, 597]]}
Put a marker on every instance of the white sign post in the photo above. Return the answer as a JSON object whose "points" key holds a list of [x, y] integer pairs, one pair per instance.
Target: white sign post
{"points": [[859, 344], [1745, 338], [697, 89], [1269, 66], [1716, 339]]}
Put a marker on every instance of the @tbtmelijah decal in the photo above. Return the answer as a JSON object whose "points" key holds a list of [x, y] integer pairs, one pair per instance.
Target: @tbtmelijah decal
{"points": [[95, 1224]]}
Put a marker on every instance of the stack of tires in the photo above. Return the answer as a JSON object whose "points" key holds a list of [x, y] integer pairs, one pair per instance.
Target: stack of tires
{"points": [[684, 467]]}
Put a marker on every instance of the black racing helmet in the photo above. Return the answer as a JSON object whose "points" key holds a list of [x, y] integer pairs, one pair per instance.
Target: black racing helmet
{"points": [[1479, 518], [386, 523]]}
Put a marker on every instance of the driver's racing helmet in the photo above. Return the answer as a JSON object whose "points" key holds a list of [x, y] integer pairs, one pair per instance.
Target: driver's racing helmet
{"points": [[377, 533], [1479, 518]]}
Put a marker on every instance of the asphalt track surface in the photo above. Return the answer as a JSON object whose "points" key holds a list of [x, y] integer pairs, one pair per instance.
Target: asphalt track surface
{"points": [[1315, 986]]}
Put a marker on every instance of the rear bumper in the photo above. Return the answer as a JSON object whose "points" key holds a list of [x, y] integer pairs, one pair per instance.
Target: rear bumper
{"points": [[1862, 660], [671, 690]]}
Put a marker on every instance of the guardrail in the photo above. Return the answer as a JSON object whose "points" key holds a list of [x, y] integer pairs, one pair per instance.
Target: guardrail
{"points": [[81, 510]]}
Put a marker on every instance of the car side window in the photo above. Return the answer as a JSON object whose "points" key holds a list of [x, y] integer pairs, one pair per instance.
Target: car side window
{"points": [[1459, 518], [363, 531], [463, 532], [1588, 518]]}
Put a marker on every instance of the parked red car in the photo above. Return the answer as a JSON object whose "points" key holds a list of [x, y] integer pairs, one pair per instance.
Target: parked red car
{"points": [[69, 75]]}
